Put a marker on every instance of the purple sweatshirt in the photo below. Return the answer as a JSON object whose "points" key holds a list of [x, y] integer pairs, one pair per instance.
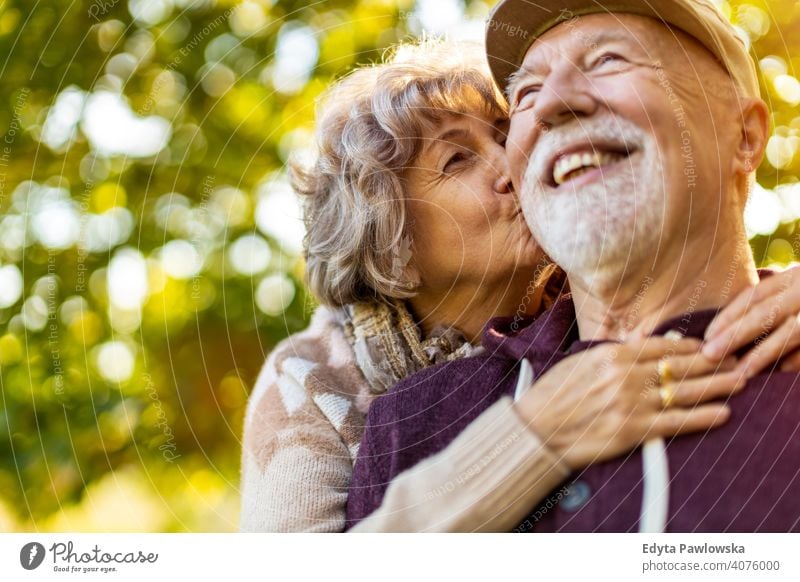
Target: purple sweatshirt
{"points": [[741, 477]]}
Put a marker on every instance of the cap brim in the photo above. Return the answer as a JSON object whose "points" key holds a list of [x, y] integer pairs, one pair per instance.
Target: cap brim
{"points": [[514, 26]]}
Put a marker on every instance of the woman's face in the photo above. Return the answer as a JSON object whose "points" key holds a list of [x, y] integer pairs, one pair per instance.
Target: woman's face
{"points": [[466, 225]]}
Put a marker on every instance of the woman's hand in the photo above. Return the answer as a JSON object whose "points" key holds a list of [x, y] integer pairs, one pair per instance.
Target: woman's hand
{"points": [[605, 401], [766, 314]]}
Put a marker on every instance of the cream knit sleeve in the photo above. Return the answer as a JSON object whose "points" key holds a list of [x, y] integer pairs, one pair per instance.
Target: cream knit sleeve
{"points": [[488, 479], [295, 466], [301, 433]]}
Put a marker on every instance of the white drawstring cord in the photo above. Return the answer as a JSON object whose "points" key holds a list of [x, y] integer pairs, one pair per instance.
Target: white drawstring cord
{"points": [[655, 472], [525, 379], [655, 468], [655, 494]]}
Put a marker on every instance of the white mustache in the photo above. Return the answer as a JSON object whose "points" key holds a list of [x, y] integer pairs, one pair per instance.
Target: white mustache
{"points": [[604, 132]]}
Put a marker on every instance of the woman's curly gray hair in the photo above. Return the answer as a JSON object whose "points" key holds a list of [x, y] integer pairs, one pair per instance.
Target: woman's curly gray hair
{"points": [[369, 129]]}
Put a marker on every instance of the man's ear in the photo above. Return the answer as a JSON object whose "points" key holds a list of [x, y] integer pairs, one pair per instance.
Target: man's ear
{"points": [[753, 136]]}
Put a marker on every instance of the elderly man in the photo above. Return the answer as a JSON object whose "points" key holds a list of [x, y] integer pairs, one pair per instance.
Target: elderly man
{"points": [[634, 134]]}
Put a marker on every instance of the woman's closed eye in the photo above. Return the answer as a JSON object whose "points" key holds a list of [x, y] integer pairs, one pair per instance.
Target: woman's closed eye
{"points": [[455, 161]]}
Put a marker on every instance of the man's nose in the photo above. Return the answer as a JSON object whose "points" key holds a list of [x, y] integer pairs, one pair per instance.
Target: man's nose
{"points": [[566, 93]]}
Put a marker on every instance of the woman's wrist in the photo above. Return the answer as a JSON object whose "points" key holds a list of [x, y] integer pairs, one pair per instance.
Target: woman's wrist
{"points": [[541, 430]]}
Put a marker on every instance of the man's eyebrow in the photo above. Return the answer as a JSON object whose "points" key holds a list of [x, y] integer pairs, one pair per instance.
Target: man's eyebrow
{"points": [[517, 77]]}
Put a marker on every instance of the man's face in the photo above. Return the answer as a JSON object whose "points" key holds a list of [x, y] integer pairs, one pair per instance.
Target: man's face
{"points": [[615, 147]]}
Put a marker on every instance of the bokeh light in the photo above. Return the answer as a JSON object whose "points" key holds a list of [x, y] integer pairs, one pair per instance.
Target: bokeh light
{"points": [[249, 254], [10, 285], [274, 294], [115, 361]]}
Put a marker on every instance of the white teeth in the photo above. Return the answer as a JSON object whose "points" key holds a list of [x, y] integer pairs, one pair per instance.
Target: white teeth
{"points": [[572, 165]]}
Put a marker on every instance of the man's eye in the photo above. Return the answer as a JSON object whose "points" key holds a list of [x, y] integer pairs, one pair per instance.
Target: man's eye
{"points": [[608, 60], [525, 97]]}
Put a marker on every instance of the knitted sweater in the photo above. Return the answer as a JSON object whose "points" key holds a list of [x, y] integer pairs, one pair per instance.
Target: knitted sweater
{"points": [[303, 426]]}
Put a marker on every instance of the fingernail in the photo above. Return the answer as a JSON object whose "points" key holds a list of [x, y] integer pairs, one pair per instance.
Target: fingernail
{"points": [[712, 350], [749, 370]]}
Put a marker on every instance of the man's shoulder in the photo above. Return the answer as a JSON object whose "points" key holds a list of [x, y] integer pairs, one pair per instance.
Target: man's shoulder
{"points": [[765, 416], [775, 391], [422, 414], [463, 376], [442, 398]]}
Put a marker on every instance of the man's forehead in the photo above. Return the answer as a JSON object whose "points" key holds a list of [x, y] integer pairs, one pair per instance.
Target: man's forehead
{"points": [[587, 33]]}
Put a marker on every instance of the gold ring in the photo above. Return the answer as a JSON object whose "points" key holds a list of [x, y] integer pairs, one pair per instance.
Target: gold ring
{"points": [[667, 394], [664, 372]]}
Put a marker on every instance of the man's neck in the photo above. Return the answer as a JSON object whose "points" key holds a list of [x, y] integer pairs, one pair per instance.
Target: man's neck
{"points": [[618, 306]]}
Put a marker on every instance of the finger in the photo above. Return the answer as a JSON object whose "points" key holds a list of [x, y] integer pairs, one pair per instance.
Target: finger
{"points": [[699, 390], [732, 312], [791, 363], [681, 367], [657, 347], [677, 421], [759, 320], [767, 290], [785, 339]]}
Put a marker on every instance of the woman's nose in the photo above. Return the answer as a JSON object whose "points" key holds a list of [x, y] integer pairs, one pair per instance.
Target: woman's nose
{"points": [[502, 182]]}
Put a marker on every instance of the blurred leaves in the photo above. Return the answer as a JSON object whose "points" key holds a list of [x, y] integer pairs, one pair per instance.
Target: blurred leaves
{"points": [[149, 243]]}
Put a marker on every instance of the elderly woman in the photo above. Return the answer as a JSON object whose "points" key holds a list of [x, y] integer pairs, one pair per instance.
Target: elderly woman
{"points": [[414, 240]]}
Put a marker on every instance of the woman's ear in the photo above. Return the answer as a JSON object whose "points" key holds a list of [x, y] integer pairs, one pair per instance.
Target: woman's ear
{"points": [[753, 136], [404, 274], [412, 279]]}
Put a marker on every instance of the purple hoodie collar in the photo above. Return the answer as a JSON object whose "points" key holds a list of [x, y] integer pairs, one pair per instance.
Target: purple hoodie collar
{"points": [[554, 334]]}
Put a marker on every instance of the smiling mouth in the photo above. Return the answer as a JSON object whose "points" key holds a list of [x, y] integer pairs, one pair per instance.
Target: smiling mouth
{"points": [[574, 164]]}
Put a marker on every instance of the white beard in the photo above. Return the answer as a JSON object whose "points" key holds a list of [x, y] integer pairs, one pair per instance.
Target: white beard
{"points": [[600, 229]]}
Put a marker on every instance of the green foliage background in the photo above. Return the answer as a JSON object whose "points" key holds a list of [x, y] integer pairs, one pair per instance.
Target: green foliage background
{"points": [[129, 417]]}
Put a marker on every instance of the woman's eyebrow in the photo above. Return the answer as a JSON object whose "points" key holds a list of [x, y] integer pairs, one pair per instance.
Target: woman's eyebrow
{"points": [[450, 134], [446, 136]]}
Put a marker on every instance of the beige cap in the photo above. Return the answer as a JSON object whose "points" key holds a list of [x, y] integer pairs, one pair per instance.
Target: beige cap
{"points": [[514, 25]]}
